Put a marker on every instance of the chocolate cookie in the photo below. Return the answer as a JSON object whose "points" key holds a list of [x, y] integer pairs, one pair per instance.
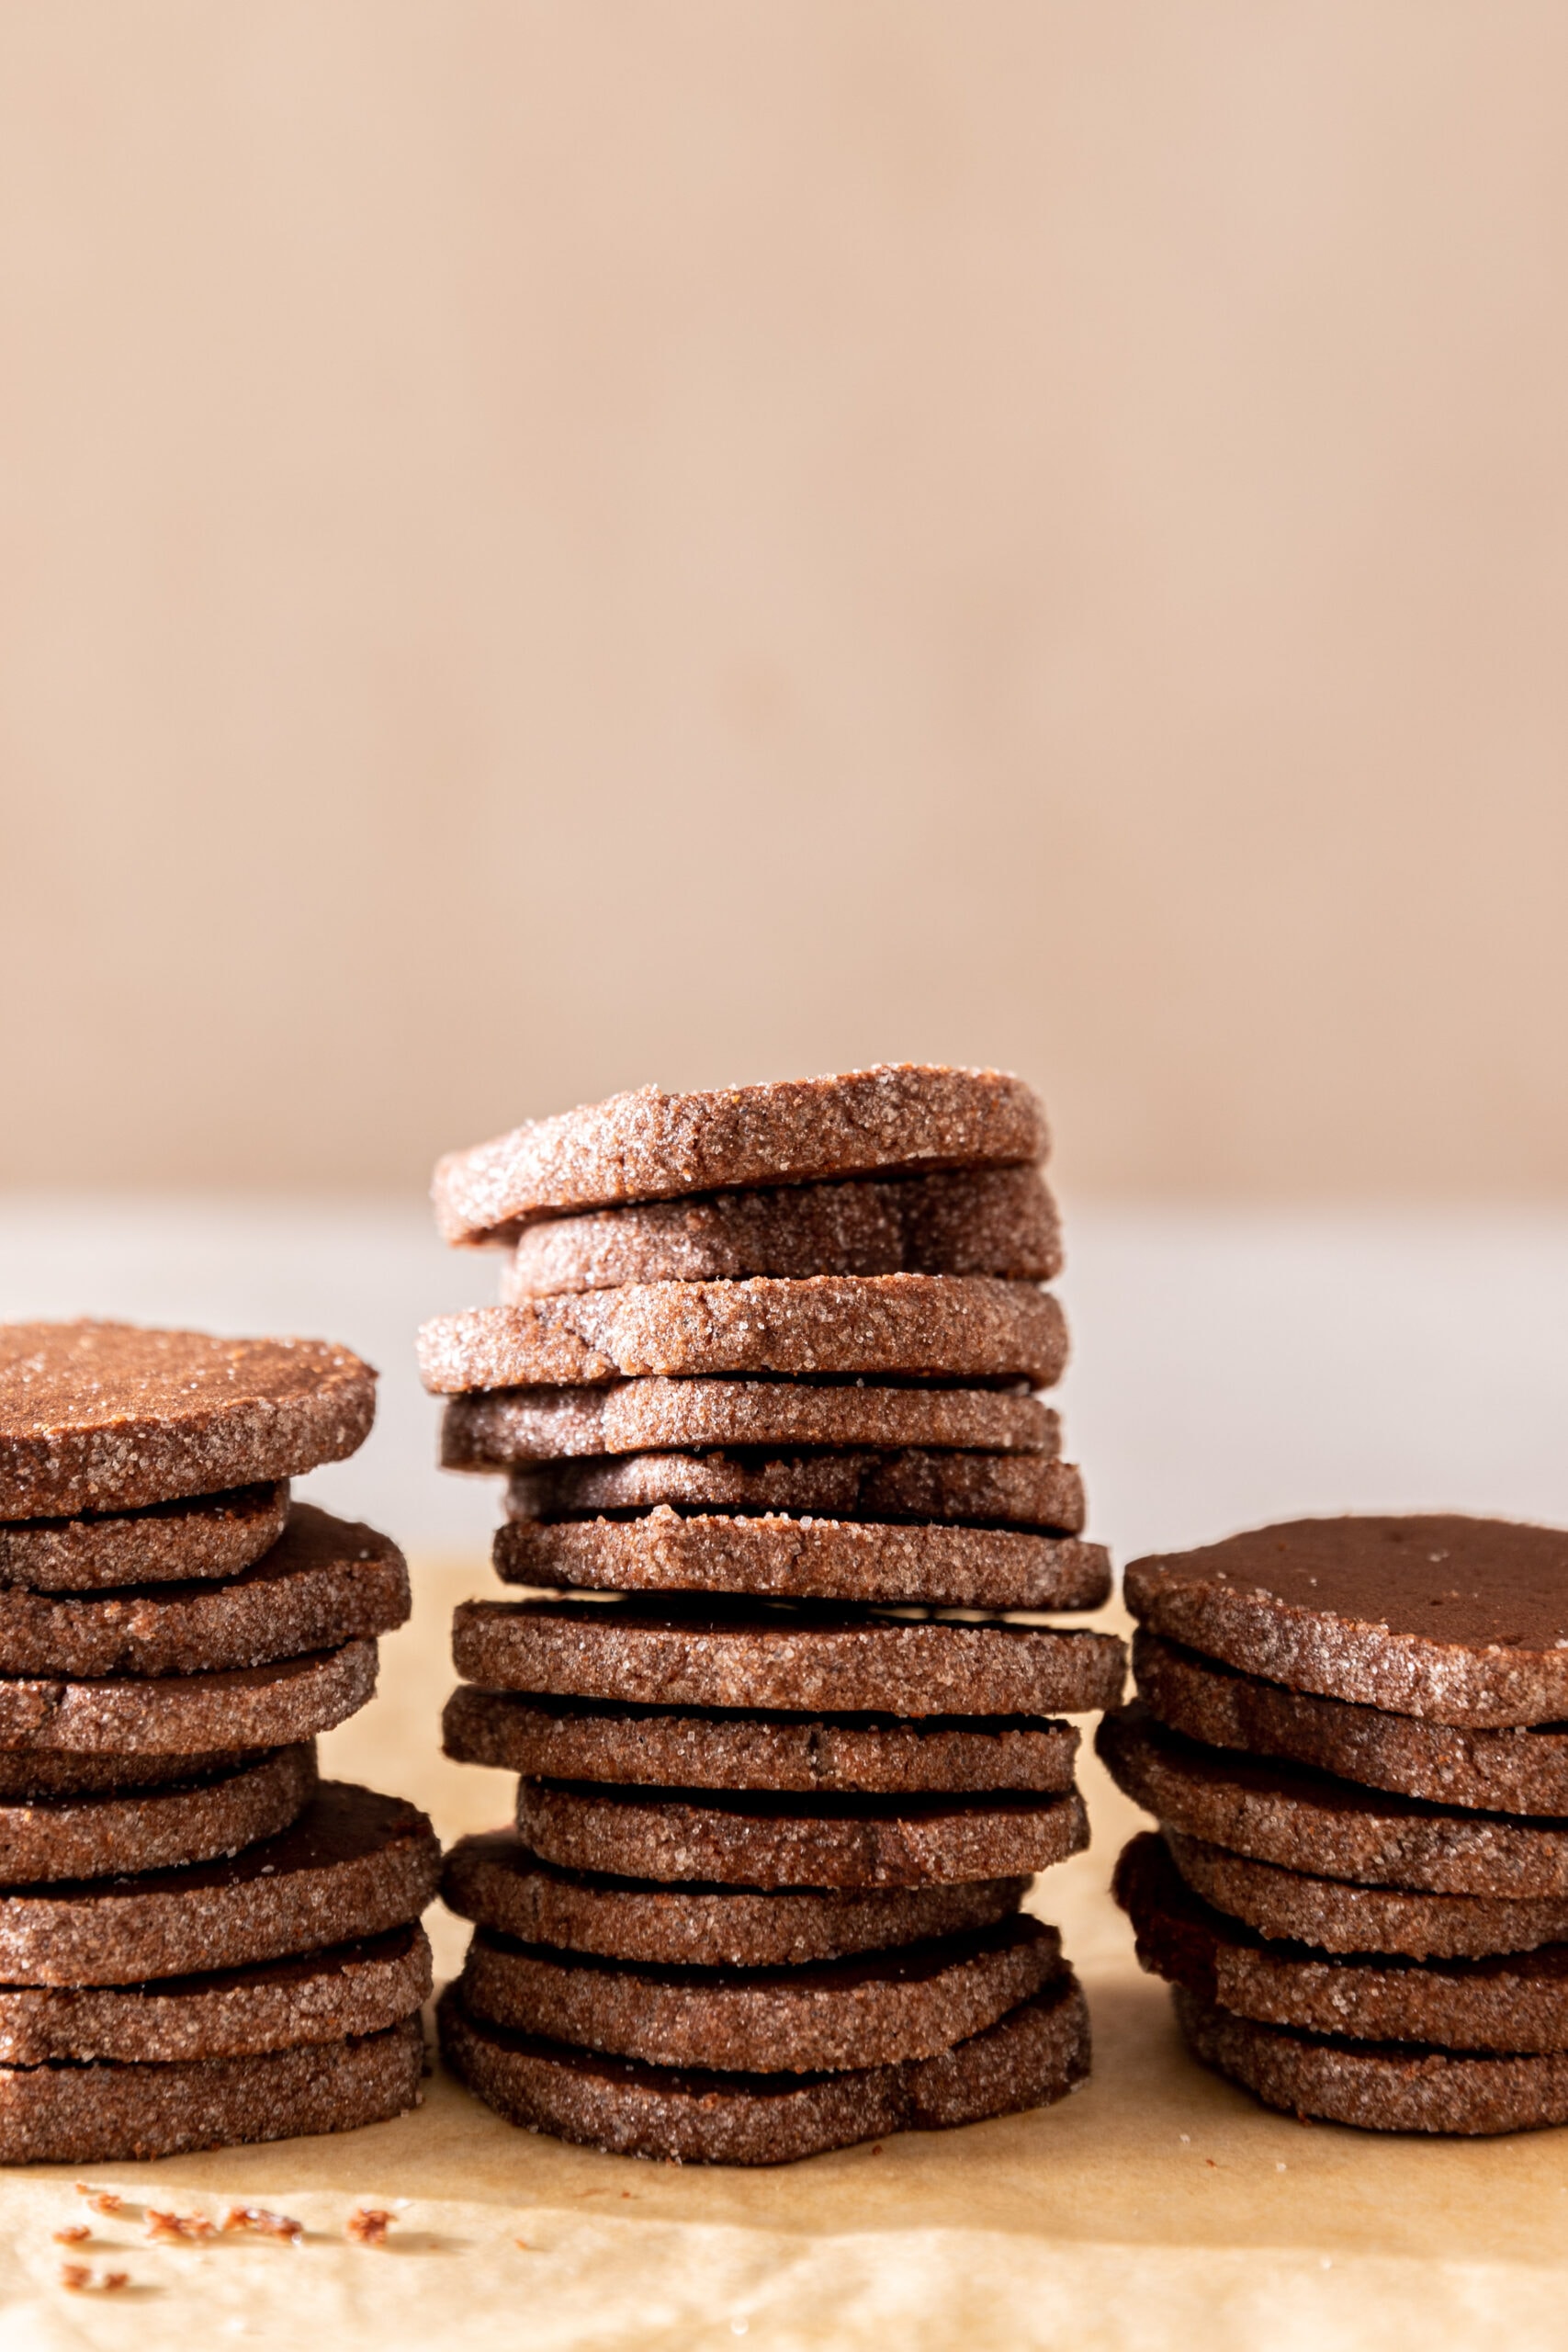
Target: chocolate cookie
{"points": [[1034, 2055], [91, 1836], [353, 1865], [871, 2011], [355, 1988], [491, 1429], [184, 1715], [767, 1841], [1377, 2086], [1462, 1620], [577, 1739], [971, 1221], [200, 1535], [106, 1416], [497, 1881], [953, 1327], [1500, 1771], [828, 1559], [107, 2113], [783, 1656], [1305, 1821], [1012, 1489], [325, 1582], [655, 1147], [29, 1774], [1291, 1906], [1516, 2004]]}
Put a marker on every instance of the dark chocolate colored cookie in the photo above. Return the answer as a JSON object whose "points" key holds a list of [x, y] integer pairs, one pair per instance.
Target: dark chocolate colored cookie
{"points": [[182, 1714], [968, 1221], [755, 1841], [1034, 2055], [497, 1882], [201, 1535], [1517, 2002], [818, 1559], [1462, 1621], [870, 2011], [1523, 1770], [151, 1829], [106, 1416], [576, 1739], [1006, 1490], [655, 1147], [792, 1658]]}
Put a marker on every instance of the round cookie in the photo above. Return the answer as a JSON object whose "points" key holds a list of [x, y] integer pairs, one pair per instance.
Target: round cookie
{"points": [[1282, 1813], [1377, 2086], [762, 1841], [91, 1836], [1035, 2054], [650, 1146], [200, 1535], [968, 1221], [576, 1740], [1291, 1906], [492, 1428], [1499, 2003], [945, 1568], [107, 1417], [184, 1716], [351, 1865], [107, 2113], [792, 1657], [1015, 1489], [498, 1883], [355, 1988], [28, 1775], [1523, 1770], [1462, 1621], [325, 1582], [871, 2011], [949, 1327]]}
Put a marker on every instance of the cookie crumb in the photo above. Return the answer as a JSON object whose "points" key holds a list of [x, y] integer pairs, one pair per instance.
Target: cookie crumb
{"points": [[164, 2226], [76, 2277], [261, 2223], [368, 2225], [73, 2234], [102, 2200]]}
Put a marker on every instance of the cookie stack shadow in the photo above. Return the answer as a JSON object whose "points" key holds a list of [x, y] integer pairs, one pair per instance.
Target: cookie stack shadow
{"points": [[201, 1942], [1353, 1734], [761, 1390]]}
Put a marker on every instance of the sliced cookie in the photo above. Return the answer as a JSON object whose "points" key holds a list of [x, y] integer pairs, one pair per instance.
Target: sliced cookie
{"points": [[1034, 2055], [1462, 1620], [783, 1656], [499, 1883], [1501, 2002], [200, 1535], [1011, 1489], [1292, 1906], [91, 1836], [106, 1416], [870, 2011], [1377, 2086], [826, 1559], [492, 1428], [46, 1720], [967, 1221], [1305, 1821], [355, 1988], [767, 1841], [650, 1146], [325, 1582], [1524, 1770], [107, 2113], [351, 1865], [951, 1326], [580, 1740]]}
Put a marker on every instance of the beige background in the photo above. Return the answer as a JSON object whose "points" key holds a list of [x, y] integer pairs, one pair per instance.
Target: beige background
{"points": [[549, 545]]}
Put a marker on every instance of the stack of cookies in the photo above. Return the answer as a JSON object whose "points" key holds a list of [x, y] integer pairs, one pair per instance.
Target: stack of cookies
{"points": [[200, 1942], [761, 1387], [1351, 1733]]}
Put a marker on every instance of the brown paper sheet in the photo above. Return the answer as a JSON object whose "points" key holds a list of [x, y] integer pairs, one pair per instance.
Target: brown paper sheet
{"points": [[1155, 2208]]}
